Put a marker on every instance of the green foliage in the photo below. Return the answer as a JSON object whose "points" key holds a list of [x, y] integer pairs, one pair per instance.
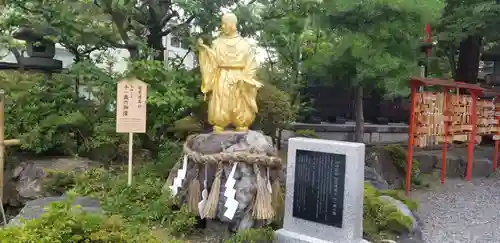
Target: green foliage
{"points": [[57, 182], [398, 157], [171, 95], [412, 205], [53, 117], [275, 111], [142, 202], [63, 223], [308, 133], [252, 236], [381, 219], [382, 50]]}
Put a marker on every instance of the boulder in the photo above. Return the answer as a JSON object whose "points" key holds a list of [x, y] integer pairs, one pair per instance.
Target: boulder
{"points": [[381, 162], [376, 180], [245, 185], [35, 208], [416, 232], [456, 161], [24, 182]]}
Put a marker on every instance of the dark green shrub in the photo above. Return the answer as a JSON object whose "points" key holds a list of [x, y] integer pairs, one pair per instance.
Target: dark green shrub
{"points": [[275, 110], [63, 223], [308, 133], [142, 202], [58, 182]]}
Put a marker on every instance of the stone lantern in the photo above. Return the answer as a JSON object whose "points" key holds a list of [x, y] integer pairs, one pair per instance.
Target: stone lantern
{"points": [[40, 51], [492, 77]]}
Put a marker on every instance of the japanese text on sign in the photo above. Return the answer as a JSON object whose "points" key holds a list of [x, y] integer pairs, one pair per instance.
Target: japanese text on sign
{"points": [[131, 106]]}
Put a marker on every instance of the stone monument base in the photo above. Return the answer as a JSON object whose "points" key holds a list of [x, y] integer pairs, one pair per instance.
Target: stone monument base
{"points": [[285, 236]]}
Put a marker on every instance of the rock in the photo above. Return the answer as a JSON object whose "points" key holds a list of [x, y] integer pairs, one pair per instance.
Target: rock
{"points": [[24, 182], [34, 209], [375, 179], [382, 163], [456, 161], [416, 231], [245, 178]]}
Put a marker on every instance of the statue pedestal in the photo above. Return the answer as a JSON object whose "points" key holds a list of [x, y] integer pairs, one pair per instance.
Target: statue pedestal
{"points": [[216, 158]]}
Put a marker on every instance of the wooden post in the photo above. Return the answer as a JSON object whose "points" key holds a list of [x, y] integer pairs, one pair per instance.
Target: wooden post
{"points": [[472, 136], [130, 156], [411, 133], [2, 138], [2, 151], [445, 134]]}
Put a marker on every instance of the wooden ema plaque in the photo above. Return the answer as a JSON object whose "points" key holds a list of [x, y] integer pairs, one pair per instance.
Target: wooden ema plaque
{"points": [[429, 118], [486, 122]]}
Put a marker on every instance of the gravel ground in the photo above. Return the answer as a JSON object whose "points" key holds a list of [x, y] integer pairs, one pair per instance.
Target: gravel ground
{"points": [[461, 212]]}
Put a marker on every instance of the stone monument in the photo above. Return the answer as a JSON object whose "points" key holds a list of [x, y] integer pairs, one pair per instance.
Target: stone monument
{"points": [[324, 192], [229, 176]]}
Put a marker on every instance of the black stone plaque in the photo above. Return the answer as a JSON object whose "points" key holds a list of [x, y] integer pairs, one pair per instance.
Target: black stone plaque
{"points": [[319, 187]]}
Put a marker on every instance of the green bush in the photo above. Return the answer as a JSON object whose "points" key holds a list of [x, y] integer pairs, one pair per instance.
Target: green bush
{"points": [[50, 117], [252, 236], [308, 133], [58, 182], [275, 111], [142, 202], [63, 223], [381, 219]]}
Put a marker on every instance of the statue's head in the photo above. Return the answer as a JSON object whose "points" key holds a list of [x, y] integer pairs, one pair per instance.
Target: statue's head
{"points": [[229, 23]]}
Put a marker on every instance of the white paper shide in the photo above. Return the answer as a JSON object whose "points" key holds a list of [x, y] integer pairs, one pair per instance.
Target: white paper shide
{"points": [[231, 204], [181, 175]]}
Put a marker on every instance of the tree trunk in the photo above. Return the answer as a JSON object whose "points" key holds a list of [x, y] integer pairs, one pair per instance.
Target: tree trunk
{"points": [[155, 42], [468, 60], [358, 111]]}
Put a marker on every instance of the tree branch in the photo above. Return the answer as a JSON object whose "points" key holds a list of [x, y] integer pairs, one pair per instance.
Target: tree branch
{"points": [[174, 28], [167, 18], [183, 58]]}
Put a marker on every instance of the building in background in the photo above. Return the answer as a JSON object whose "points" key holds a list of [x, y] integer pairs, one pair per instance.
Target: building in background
{"points": [[173, 48], [176, 49]]}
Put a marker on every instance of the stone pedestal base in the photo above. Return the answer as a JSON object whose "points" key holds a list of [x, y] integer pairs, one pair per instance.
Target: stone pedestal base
{"points": [[285, 236]]}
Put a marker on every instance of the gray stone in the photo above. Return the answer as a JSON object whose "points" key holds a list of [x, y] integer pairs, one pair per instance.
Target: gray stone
{"points": [[381, 161], [402, 208], [375, 179], [24, 182], [34, 209], [300, 230], [253, 142], [456, 161]]}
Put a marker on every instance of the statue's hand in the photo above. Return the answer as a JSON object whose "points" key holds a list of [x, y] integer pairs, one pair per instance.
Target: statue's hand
{"points": [[200, 41]]}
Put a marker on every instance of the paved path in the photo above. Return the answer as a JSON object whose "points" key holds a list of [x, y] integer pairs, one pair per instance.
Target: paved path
{"points": [[461, 212]]}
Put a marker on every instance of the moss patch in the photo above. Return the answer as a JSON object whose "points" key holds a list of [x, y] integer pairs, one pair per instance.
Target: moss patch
{"points": [[381, 219], [398, 156]]}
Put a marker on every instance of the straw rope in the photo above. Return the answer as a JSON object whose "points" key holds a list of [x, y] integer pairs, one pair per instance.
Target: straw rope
{"points": [[224, 157]]}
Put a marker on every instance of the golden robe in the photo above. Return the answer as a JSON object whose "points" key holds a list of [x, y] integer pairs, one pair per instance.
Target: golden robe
{"points": [[228, 72]]}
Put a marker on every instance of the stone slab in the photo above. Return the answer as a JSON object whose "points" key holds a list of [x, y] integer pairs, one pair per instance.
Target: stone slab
{"points": [[285, 236], [300, 230]]}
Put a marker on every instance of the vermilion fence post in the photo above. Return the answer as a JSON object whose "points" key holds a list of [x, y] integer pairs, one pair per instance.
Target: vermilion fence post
{"points": [[472, 137], [445, 134], [411, 131]]}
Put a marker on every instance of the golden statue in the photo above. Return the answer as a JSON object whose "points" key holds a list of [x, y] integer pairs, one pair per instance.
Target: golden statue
{"points": [[228, 70]]}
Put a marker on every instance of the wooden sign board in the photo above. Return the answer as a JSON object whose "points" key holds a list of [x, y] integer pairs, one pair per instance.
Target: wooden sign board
{"points": [[131, 106]]}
